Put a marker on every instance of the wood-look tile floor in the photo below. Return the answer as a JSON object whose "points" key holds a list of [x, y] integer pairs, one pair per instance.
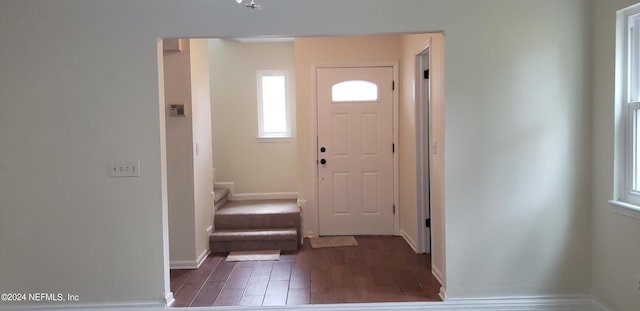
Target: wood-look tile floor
{"points": [[380, 269]]}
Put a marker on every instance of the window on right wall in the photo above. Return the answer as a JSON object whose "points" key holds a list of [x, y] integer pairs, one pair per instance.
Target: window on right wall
{"points": [[628, 112]]}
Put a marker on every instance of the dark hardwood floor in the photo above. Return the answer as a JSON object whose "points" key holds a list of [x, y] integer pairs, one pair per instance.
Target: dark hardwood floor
{"points": [[380, 269]]}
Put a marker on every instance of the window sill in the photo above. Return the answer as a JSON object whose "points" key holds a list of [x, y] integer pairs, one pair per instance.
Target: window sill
{"points": [[626, 209], [274, 139]]}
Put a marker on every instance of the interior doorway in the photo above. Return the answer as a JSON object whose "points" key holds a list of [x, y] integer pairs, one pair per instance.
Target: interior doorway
{"points": [[419, 129]]}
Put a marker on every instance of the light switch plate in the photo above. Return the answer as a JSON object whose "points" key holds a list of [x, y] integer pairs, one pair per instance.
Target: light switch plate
{"points": [[125, 168]]}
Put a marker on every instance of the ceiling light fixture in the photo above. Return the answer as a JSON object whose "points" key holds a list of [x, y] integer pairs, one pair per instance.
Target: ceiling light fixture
{"points": [[251, 5]]}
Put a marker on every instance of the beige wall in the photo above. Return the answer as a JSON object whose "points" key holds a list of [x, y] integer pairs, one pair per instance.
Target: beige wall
{"points": [[616, 247], [179, 133], [254, 166], [310, 52], [410, 45], [363, 50], [189, 173]]}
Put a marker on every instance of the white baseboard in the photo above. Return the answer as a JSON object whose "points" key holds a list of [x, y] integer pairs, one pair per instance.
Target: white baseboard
{"points": [[263, 196], [574, 303], [137, 306], [497, 304], [443, 293], [302, 204], [189, 264], [597, 306], [169, 300], [226, 184], [409, 240], [233, 196], [310, 234], [437, 273], [308, 228], [202, 257], [183, 264]]}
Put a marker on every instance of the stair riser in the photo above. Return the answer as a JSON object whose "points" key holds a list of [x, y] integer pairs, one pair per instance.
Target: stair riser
{"points": [[228, 246], [230, 222]]}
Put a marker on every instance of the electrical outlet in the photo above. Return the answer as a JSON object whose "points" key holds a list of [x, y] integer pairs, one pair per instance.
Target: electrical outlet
{"points": [[125, 168]]}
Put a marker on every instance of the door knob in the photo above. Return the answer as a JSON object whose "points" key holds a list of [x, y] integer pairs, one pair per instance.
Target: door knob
{"points": [[323, 161]]}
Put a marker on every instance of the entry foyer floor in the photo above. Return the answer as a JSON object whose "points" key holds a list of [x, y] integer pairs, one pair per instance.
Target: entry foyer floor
{"points": [[380, 269]]}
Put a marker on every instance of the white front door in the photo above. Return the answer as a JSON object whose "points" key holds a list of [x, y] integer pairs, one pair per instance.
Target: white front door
{"points": [[355, 150]]}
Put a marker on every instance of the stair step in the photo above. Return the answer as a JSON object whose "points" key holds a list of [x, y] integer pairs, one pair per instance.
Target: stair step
{"points": [[254, 239], [257, 225], [258, 215]]}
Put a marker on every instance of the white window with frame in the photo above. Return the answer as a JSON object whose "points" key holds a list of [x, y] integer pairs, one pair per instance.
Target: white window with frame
{"points": [[628, 114], [274, 116]]}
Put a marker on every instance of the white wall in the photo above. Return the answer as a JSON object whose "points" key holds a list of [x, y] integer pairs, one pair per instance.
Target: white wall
{"points": [[84, 90], [517, 154], [253, 166], [202, 145], [318, 51], [616, 251]]}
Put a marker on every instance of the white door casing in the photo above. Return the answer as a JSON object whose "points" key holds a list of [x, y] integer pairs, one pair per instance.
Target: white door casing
{"points": [[423, 134], [355, 183]]}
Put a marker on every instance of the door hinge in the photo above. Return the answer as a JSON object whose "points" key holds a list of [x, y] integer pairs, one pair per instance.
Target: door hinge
{"points": [[394, 209], [393, 85], [393, 148], [427, 223], [426, 74]]}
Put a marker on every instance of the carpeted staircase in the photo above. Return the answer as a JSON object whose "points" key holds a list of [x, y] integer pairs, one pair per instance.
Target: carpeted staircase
{"points": [[256, 225]]}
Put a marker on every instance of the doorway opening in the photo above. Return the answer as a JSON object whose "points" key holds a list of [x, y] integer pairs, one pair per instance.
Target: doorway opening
{"points": [[406, 231]]}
